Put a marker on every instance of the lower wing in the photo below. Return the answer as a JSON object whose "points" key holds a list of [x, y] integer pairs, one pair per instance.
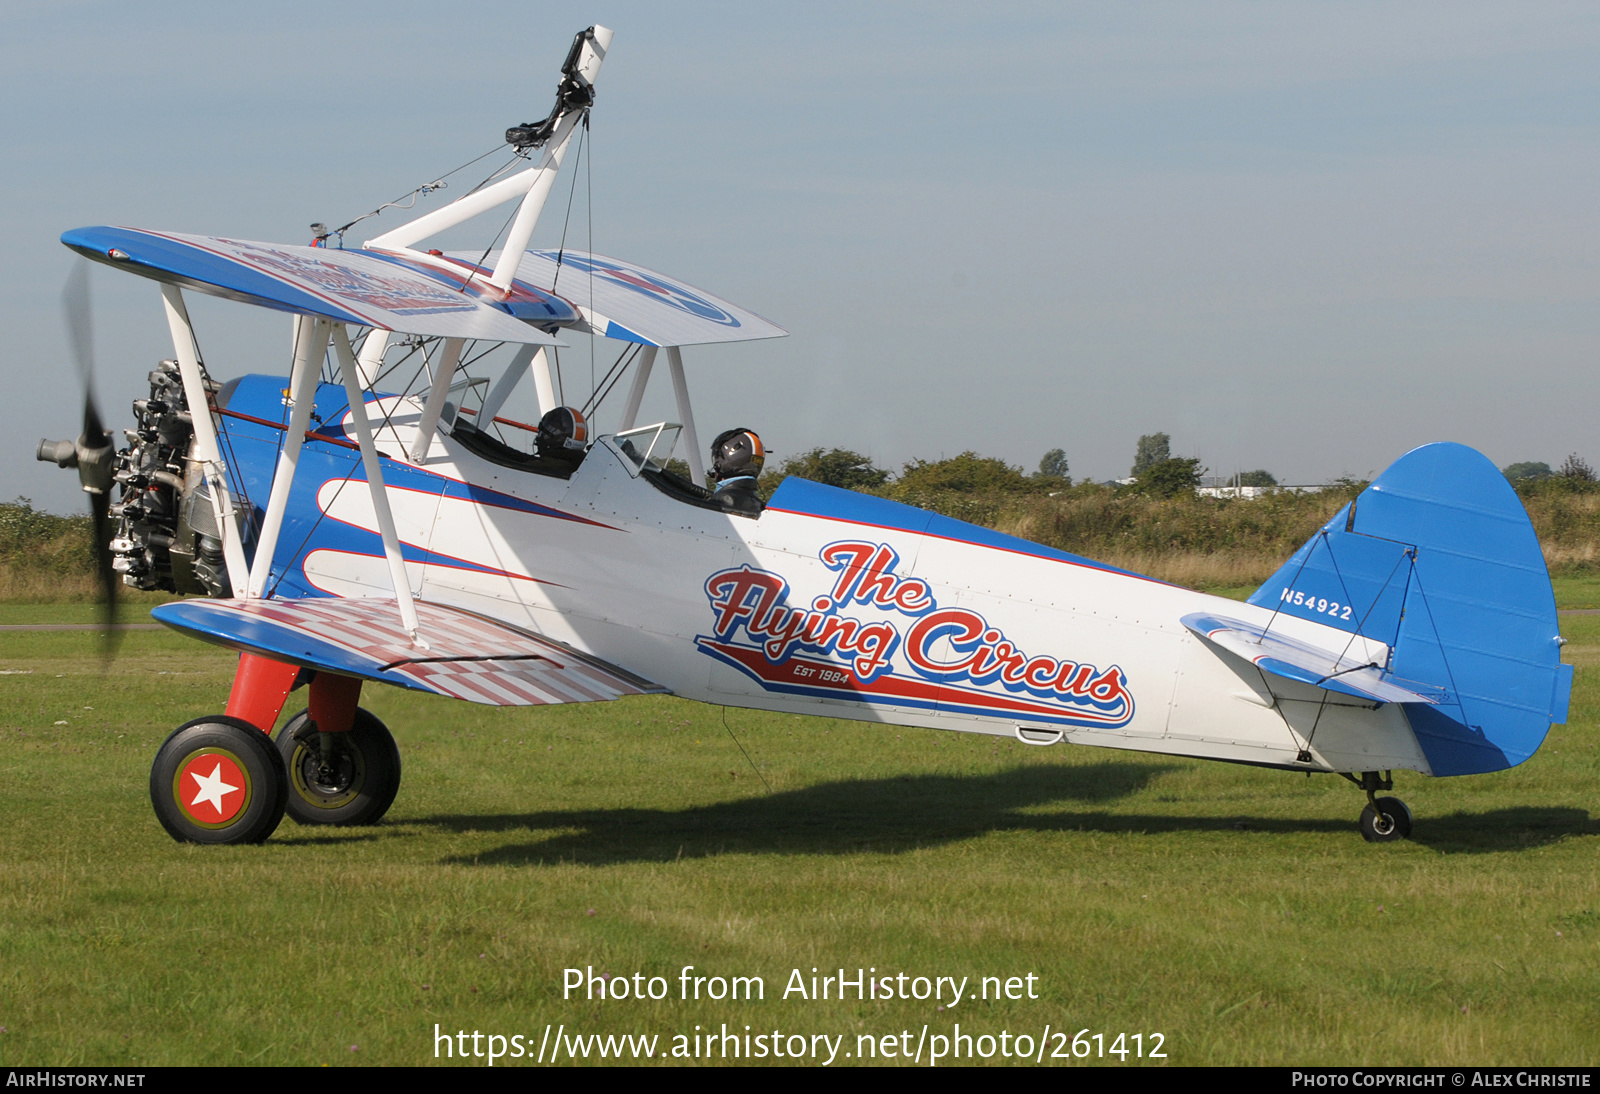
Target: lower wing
{"points": [[467, 656]]}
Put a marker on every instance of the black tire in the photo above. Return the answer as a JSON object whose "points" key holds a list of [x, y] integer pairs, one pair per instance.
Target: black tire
{"points": [[360, 785], [195, 806], [1391, 821]]}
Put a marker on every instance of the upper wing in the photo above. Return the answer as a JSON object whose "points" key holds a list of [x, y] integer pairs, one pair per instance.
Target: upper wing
{"points": [[1345, 672], [345, 286], [628, 302], [468, 657]]}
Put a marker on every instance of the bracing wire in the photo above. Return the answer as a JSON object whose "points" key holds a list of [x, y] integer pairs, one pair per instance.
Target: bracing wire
{"points": [[561, 254], [561, 251], [498, 171], [387, 421], [478, 265], [608, 382], [747, 758], [466, 361], [409, 200], [588, 201], [384, 373]]}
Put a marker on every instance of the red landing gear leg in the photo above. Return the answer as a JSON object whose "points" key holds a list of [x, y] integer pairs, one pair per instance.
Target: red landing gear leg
{"points": [[343, 765], [334, 700], [260, 688]]}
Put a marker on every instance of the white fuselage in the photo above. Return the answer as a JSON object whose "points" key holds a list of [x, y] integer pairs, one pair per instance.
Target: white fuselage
{"points": [[725, 609]]}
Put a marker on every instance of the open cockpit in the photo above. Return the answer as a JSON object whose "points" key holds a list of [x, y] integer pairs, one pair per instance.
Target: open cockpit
{"points": [[647, 451]]}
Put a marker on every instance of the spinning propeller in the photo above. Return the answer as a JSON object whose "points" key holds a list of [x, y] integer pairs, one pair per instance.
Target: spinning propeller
{"points": [[94, 452]]}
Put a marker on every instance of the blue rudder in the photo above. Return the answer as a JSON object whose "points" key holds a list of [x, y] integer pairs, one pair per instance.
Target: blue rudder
{"points": [[1438, 560]]}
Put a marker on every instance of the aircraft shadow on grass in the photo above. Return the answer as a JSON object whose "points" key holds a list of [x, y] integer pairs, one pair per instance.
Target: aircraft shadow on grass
{"points": [[889, 816], [894, 815], [1515, 829]]}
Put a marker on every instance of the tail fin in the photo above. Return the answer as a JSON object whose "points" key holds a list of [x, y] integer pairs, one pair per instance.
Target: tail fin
{"points": [[1438, 560]]}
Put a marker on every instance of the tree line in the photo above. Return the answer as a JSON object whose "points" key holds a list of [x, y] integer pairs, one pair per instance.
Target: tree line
{"points": [[1155, 473]]}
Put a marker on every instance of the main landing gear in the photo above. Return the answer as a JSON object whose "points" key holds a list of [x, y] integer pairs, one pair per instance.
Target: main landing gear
{"points": [[1384, 819], [339, 778], [222, 779]]}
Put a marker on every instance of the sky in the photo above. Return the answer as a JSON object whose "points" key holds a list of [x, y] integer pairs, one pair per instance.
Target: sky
{"points": [[1305, 238]]}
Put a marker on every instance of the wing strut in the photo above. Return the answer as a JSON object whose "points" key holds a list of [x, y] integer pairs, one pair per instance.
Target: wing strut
{"points": [[206, 451], [380, 497], [370, 363], [443, 373], [503, 387], [311, 344], [630, 413], [680, 387], [543, 385]]}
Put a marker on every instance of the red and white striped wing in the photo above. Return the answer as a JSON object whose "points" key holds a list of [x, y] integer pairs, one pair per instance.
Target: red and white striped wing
{"points": [[466, 657]]}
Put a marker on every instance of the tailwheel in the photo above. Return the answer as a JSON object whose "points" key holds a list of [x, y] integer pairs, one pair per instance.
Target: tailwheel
{"points": [[218, 780], [1384, 819], [347, 778]]}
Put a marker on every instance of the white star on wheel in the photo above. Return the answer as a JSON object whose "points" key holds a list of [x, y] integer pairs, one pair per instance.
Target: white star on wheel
{"points": [[212, 788]]}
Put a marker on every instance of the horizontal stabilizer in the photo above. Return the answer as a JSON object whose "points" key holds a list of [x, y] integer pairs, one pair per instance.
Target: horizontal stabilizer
{"points": [[467, 656], [1295, 660], [634, 304], [345, 286]]}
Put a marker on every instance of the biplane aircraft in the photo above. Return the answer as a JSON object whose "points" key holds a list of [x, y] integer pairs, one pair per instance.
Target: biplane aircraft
{"points": [[339, 533]]}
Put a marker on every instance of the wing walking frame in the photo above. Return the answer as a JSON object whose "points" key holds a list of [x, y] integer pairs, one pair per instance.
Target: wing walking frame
{"points": [[389, 287]]}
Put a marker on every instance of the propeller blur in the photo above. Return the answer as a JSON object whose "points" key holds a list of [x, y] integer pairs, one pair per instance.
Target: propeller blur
{"points": [[93, 453]]}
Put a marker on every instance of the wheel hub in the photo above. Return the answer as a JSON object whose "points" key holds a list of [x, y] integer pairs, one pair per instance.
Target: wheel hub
{"points": [[211, 787], [339, 778], [218, 780], [328, 778]]}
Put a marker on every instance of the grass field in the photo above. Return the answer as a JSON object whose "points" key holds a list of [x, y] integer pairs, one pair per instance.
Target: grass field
{"points": [[1233, 910]]}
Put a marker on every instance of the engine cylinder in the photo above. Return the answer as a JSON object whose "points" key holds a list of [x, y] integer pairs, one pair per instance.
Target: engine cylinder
{"points": [[166, 536]]}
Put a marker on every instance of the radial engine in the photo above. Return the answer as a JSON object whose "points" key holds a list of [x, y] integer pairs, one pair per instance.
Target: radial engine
{"points": [[166, 536]]}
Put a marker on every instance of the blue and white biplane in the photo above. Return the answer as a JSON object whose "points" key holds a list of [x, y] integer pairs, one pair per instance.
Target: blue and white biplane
{"points": [[340, 532]]}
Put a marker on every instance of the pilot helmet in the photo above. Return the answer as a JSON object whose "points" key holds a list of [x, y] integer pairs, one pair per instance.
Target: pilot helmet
{"points": [[735, 454], [563, 434]]}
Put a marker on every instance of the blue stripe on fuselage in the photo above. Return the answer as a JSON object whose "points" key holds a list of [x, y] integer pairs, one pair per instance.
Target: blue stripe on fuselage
{"points": [[797, 495], [250, 451]]}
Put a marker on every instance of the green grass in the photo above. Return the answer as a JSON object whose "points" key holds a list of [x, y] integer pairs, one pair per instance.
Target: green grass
{"points": [[1233, 592], [1235, 910], [1577, 591], [133, 608]]}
